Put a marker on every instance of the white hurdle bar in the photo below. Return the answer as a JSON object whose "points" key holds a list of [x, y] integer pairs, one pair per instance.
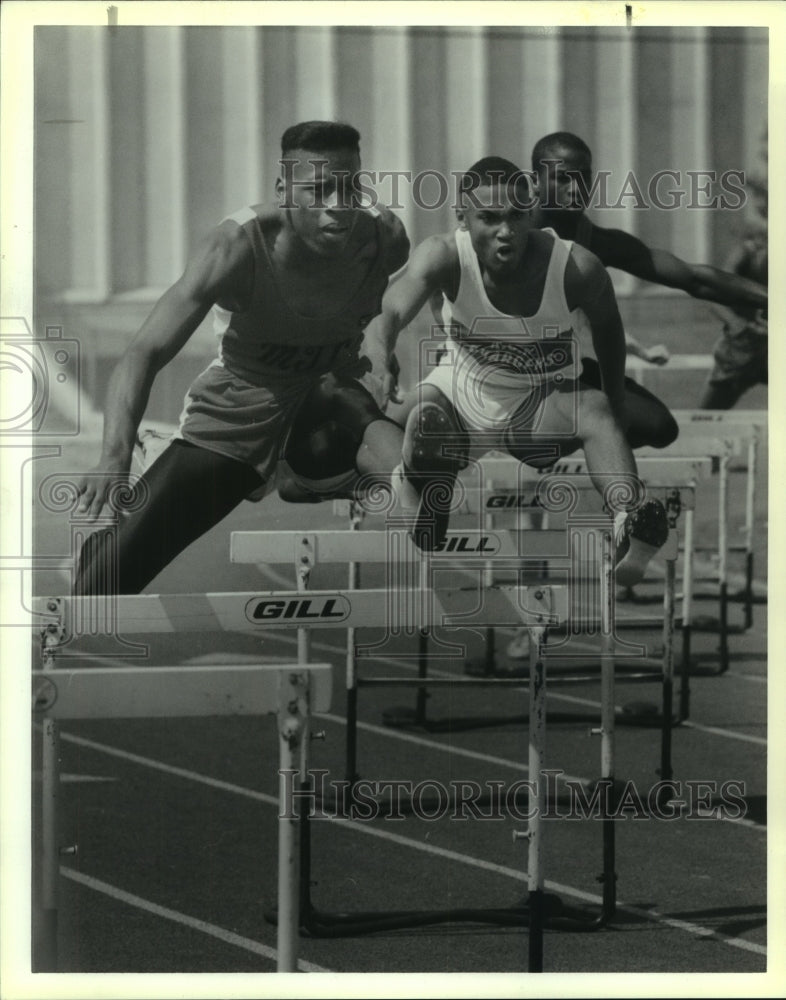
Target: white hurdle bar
{"points": [[292, 691], [752, 425], [722, 445], [673, 480], [640, 369]]}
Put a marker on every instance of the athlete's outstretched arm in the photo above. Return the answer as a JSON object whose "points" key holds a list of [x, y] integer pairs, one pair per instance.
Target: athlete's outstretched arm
{"points": [[215, 272], [428, 271], [588, 287], [735, 320], [621, 250]]}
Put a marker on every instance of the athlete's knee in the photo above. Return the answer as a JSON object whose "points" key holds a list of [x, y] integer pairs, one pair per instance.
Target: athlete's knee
{"points": [[594, 413], [380, 449], [665, 429]]}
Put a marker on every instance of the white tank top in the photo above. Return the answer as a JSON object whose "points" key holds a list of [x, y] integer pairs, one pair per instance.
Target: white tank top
{"points": [[510, 350], [494, 363]]}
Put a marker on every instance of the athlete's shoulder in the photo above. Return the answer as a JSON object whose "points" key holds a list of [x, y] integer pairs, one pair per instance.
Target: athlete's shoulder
{"points": [[613, 247], [438, 252], [395, 240], [586, 279], [234, 228], [228, 241], [586, 263]]}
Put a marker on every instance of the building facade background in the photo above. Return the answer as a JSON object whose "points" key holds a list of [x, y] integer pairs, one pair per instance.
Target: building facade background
{"points": [[147, 137]]}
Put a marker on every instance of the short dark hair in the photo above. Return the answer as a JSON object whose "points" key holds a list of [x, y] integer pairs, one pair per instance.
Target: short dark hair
{"points": [[554, 140], [318, 137], [494, 170]]}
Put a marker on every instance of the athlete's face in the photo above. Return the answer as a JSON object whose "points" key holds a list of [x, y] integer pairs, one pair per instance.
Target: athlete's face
{"points": [[317, 189], [558, 183], [498, 220]]}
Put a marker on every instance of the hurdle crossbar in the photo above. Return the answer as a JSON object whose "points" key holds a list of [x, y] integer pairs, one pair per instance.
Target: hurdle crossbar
{"points": [[255, 611], [753, 424], [168, 692], [696, 461]]}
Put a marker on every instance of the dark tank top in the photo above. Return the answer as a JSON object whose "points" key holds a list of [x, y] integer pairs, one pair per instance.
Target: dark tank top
{"points": [[271, 339]]}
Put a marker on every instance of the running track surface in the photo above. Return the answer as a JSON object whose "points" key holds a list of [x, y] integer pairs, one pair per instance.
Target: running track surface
{"points": [[176, 819]]}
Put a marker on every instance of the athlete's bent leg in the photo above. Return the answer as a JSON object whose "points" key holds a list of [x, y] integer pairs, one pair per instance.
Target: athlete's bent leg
{"points": [[578, 412], [189, 490], [433, 452], [650, 422]]}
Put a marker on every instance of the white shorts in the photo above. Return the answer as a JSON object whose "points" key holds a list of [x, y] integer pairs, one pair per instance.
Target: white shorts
{"points": [[491, 402]]}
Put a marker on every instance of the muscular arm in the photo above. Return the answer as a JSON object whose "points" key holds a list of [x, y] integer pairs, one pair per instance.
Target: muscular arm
{"points": [[216, 272], [428, 271], [397, 244], [589, 288], [621, 250]]}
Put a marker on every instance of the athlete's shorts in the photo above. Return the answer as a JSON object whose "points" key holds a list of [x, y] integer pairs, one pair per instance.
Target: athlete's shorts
{"points": [[741, 357], [491, 406], [313, 423]]}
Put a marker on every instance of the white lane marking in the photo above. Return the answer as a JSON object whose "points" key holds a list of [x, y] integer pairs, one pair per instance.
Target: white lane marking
{"points": [[755, 678], [76, 779], [726, 733], [417, 844], [444, 747], [566, 890], [178, 772], [181, 918], [228, 786]]}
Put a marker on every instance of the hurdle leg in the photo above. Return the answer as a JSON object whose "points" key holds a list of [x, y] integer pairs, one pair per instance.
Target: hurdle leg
{"points": [[422, 693], [668, 671], [50, 869], [490, 652], [50, 824], [723, 568], [687, 615], [350, 766], [607, 734], [750, 501], [537, 764], [293, 737]]}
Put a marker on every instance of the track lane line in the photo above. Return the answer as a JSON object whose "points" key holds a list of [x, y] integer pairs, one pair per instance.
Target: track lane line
{"points": [[729, 734], [490, 866], [175, 916]]}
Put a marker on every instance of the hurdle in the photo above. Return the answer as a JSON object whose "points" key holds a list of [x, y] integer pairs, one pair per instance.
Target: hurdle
{"points": [[642, 369], [672, 480], [254, 612], [751, 424], [536, 608], [543, 544], [291, 691], [721, 449]]}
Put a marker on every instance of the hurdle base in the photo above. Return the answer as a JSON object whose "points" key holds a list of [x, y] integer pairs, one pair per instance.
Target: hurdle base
{"points": [[508, 669], [402, 717], [644, 714], [556, 915], [633, 714]]}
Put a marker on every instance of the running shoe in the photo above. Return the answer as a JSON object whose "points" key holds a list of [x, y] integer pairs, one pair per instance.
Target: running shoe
{"points": [[638, 537]]}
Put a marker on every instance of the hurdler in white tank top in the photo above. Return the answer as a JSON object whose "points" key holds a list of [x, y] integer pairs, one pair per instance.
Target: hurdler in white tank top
{"points": [[493, 361]]}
